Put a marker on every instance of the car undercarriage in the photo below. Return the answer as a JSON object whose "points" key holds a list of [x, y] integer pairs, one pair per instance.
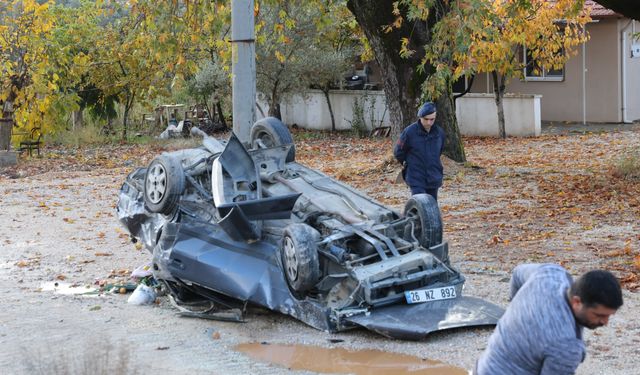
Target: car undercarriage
{"points": [[242, 225]]}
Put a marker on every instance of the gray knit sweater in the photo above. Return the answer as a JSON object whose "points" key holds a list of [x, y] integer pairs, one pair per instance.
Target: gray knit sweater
{"points": [[538, 333]]}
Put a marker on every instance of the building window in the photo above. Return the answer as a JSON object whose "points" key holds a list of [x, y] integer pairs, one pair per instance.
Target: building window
{"points": [[534, 72]]}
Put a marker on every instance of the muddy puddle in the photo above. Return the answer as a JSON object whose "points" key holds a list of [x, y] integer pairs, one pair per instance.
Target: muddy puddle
{"points": [[343, 361]]}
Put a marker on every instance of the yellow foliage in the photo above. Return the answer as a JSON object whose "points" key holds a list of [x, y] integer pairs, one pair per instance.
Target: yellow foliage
{"points": [[24, 60], [398, 22], [534, 27], [404, 50]]}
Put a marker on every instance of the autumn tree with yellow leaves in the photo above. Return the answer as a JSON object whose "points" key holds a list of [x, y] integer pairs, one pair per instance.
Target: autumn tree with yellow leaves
{"points": [[398, 32], [59, 57], [547, 31], [147, 47], [55, 56], [40, 47], [493, 36], [26, 79], [423, 46]]}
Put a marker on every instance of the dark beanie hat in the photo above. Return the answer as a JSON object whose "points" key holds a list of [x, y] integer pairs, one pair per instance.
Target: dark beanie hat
{"points": [[426, 109]]}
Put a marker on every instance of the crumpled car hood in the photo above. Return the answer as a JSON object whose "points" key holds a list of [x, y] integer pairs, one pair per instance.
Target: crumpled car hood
{"points": [[415, 322]]}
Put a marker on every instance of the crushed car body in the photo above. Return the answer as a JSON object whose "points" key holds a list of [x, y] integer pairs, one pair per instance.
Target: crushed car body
{"points": [[238, 225]]}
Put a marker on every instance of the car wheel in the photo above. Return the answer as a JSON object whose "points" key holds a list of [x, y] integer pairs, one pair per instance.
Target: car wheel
{"points": [[427, 223], [299, 253], [271, 132], [163, 184]]}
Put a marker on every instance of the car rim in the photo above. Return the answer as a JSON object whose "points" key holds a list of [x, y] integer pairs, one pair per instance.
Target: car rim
{"points": [[290, 259], [417, 227], [266, 139], [156, 184]]}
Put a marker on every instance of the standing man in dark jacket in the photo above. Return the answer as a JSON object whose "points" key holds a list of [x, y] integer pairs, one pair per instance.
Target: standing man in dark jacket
{"points": [[418, 149]]}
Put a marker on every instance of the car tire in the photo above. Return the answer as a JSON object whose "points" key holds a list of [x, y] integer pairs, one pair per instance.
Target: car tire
{"points": [[164, 183], [299, 253], [271, 132], [427, 228]]}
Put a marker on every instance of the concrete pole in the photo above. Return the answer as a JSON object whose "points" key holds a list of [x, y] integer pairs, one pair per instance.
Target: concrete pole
{"points": [[584, 83], [243, 68]]}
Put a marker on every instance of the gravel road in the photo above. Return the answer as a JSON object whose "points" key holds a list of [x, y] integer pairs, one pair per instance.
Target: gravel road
{"points": [[61, 227]]}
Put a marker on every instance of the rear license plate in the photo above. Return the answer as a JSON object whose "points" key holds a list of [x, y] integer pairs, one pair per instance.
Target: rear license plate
{"points": [[427, 295]]}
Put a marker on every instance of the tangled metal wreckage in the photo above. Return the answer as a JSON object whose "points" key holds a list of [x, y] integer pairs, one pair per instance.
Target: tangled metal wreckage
{"points": [[235, 227]]}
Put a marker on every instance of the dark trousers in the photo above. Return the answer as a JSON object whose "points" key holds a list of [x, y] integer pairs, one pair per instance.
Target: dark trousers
{"points": [[419, 190]]}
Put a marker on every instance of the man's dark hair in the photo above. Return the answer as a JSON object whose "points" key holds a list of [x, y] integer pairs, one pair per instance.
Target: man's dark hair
{"points": [[598, 287]]}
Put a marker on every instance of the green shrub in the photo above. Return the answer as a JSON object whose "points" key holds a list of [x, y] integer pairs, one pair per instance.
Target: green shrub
{"points": [[358, 124]]}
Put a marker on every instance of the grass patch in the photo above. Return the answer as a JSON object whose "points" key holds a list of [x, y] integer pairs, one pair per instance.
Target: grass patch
{"points": [[308, 135], [91, 135], [628, 167], [88, 134], [98, 358]]}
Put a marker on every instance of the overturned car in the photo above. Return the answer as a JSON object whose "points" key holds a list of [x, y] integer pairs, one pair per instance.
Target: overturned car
{"points": [[240, 225]]}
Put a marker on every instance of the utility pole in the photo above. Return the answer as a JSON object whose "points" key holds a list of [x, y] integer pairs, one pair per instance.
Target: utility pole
{"points": [[243, 68]]}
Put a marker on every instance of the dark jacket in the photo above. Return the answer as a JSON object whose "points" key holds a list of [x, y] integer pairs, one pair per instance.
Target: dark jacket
{"points": [[421, 152]]}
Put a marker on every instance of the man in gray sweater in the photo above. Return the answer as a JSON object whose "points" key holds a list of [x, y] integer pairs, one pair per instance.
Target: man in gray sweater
{"points": [[541, 331]]}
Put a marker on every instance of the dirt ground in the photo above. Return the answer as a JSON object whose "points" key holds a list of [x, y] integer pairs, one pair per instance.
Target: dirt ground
{"points": [[556, 198]]}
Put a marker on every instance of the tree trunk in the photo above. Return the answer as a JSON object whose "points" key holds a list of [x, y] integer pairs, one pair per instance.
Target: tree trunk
{"points": [[402, 81], [124, 122], [454, 147], [274, 102], [274, 110], [125, 116], [18, 82], [274, 106], [498, 90], [220, 114], [7, 107], [333, 119], [77, 119]]}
